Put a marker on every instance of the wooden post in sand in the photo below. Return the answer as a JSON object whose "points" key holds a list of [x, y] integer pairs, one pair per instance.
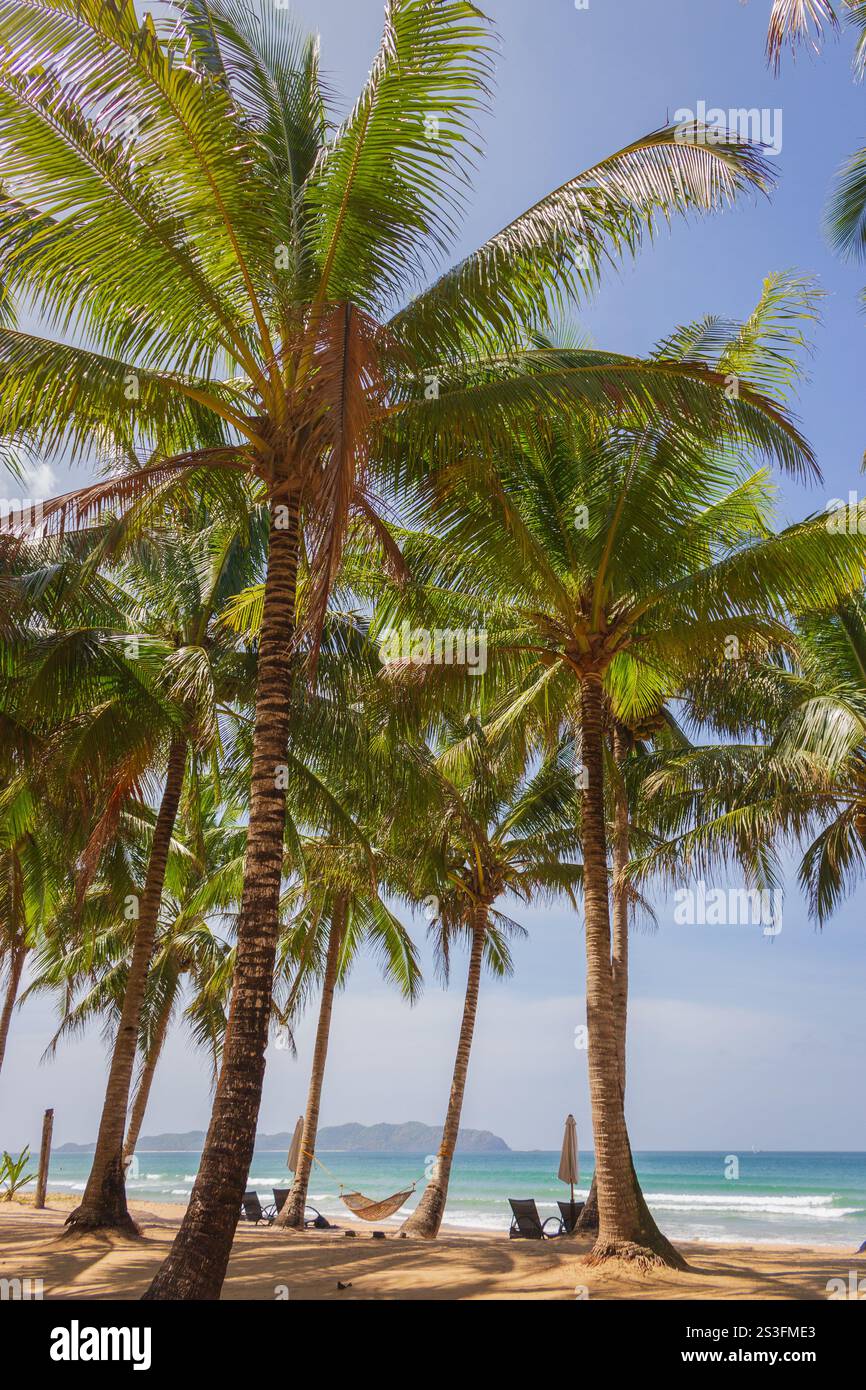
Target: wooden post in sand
{"points": [[44, 1158]]}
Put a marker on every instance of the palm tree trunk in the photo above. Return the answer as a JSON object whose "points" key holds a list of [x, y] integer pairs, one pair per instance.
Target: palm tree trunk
{"points": [[104, 1201], [292, 1213], [626, 1228], [427, 1216], [619, 955], [142, 1095], [196, 1265], [587, 1223], [17, 956]]}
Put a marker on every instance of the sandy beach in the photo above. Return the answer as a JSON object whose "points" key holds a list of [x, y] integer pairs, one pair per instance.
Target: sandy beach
{"points": [[271, 1264]]}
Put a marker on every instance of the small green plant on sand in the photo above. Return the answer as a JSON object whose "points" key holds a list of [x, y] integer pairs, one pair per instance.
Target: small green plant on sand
{"points": [[12, 1173]]}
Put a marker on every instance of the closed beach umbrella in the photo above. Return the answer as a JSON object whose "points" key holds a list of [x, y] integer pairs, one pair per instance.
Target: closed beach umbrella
{"points": [[568, 1163], [295, 1146]]}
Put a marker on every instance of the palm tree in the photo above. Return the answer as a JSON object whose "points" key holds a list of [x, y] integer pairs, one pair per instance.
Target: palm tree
{"points": [[240, 276], [805, 21], [494, 828], [337, 909], [616, 564], [137, 680], [625, 746], [827, 728], [36, 830], [86, 957], [40, 826], [333, 901], [800, 782]]}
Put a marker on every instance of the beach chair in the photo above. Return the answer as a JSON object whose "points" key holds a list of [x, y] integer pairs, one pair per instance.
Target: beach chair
{"points": [[526, 1224], [315, 1222], [570, 1212], [253, 1211]]}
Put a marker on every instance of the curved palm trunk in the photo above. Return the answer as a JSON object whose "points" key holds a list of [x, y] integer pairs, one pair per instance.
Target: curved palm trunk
{"points": [[142, 1095], [626, 1227], [292, 1213], [104, 1200], [196, 1265], [427, 1216], [588, 1221], [17, 956]]}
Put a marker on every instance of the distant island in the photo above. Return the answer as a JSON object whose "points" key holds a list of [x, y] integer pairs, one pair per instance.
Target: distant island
{"points": [[410, 1138]]}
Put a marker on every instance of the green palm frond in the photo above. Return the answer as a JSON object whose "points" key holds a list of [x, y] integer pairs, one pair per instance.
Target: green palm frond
{"points": [[386, 190], [558, 248], [846, 213]]}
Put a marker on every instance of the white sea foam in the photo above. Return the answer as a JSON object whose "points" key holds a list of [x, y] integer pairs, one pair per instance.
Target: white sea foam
{"points": [[809, 1208], [698, 1199], [476, 1221]]}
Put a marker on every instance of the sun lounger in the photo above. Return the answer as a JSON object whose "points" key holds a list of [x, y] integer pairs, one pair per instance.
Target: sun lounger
{"points": [[252, 1210], [570, 1213], [526, 1224]]}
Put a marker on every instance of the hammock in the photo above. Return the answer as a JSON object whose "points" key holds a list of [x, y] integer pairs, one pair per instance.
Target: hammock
{"points": [[368, 1210], [366, 1207]]}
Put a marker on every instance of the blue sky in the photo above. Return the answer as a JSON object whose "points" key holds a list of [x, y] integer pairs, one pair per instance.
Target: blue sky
{"points": [[736, 1040]]}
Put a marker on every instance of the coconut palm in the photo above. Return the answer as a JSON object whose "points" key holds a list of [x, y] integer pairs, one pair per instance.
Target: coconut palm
{"points": [[827, 728], [618, 564], [86, 957], [625, 746], [494, 828], [137, 679], [240, 277], [37, 826], [337, 910], [40, 823], [332, 904], [59, 665], [794, 777]]}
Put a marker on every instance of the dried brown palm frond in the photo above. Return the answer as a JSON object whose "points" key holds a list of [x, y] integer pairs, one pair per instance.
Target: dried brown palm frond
{"points": [[798, 21]]}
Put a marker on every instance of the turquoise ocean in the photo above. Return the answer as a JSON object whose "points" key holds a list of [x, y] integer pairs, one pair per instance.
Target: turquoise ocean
{"points": [[777, 1198]]}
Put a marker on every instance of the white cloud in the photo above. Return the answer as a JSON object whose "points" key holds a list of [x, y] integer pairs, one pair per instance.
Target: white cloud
{"points": [[38, 480]]}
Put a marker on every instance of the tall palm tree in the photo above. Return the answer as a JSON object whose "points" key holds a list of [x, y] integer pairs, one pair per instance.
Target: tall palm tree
{"points": [[333, 903], [494, 828], [617, 564], [137, 680], [240, 277], [37, 829], [337, 909], [625, 745], [86, 958]]}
